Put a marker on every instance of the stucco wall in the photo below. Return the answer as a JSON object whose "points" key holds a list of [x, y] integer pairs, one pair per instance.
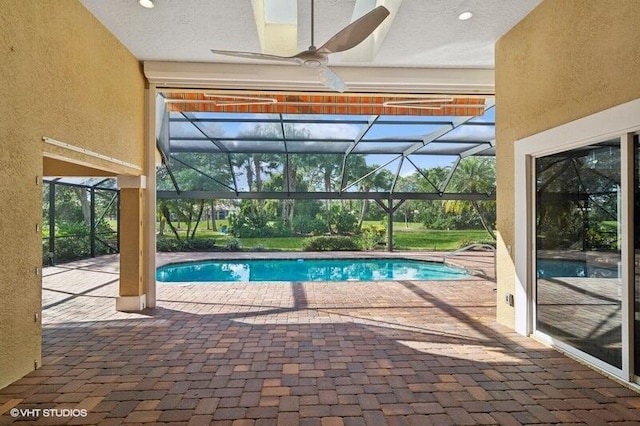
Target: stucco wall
{"points": [[567, 59], [65, 77]]}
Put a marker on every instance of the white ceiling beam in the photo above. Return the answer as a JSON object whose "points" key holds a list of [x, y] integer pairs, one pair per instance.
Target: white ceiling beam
{"points": [[457, 81]]}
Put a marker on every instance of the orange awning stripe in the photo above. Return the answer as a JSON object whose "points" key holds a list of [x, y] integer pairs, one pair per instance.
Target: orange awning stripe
{"points": [[325, 104]]}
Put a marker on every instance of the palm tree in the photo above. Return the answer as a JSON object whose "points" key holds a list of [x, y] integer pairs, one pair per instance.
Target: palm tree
{"points": [[320, 172], [473, 175]]}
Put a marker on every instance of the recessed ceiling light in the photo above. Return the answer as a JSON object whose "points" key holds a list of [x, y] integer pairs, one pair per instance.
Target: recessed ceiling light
{"points": [[465, 16], [146, 3]]}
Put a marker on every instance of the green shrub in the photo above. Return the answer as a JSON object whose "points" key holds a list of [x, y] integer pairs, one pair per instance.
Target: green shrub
{"points": [[304, 225], [71, 247], [279, 228], [233, 244], [372, 235], [345, 221], [170, 244], [468, 242], [200, 244], [250, 222], [73, 242], [337, 243]]}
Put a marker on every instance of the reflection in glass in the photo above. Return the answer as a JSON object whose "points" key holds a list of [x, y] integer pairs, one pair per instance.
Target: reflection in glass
{"points": [[578, 244]]}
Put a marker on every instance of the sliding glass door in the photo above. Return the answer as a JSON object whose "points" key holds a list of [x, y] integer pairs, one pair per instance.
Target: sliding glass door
{"points": [[578, 218]]}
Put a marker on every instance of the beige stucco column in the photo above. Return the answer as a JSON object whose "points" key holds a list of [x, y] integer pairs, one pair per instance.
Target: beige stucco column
{"points": [[132, 270], [151, 161]]}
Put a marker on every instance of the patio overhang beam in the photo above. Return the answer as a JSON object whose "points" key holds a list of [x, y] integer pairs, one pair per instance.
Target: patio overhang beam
{"points": [[251, 195], [268, 77]]}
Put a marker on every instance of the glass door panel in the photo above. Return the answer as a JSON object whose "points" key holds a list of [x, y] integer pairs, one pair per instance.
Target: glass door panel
{"points": [[578, 249]]}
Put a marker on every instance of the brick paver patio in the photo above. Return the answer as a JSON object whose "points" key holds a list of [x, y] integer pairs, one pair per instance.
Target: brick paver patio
{"points": [[394, 352]]}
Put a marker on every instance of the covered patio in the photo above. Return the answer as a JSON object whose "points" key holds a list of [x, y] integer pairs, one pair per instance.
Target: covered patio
{"points": [[394, 352]]}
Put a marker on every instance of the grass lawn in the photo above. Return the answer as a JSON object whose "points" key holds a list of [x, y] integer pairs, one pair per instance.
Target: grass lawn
{"points": [[412, 237], [425, 239]]}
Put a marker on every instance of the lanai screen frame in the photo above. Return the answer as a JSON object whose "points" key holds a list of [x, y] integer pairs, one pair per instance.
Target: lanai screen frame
{"points": [[92, 184], [439, 140]]}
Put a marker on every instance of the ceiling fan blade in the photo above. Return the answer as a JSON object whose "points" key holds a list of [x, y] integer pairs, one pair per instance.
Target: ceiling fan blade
{"points": [[331, 80], [355, 33], [252, 55]]}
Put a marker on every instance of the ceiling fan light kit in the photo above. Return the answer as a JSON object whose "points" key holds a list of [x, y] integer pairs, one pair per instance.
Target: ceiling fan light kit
{"points": [[318, 58]]}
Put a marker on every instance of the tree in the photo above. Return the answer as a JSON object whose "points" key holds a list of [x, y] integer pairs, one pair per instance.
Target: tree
{"points": [[430, 212], [409, 208], [191, 171], [381, 180], [473, 175]]}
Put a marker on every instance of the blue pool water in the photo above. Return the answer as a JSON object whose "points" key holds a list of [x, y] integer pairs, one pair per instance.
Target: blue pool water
{"points": [[306, 270], [549, 268]]}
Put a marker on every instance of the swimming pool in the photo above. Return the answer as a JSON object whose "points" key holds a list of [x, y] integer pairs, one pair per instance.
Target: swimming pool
{"points": [[260, 270]]}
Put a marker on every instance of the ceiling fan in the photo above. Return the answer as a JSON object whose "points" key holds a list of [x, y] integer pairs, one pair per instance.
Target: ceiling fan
{"points": [[317, 58]]}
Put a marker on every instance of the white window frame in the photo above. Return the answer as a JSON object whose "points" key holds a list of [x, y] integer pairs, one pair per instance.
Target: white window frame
{"points": [[621, 122]]}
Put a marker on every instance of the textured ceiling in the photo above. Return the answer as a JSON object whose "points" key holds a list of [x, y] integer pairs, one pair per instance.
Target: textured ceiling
{"points": [[421, 33]]}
